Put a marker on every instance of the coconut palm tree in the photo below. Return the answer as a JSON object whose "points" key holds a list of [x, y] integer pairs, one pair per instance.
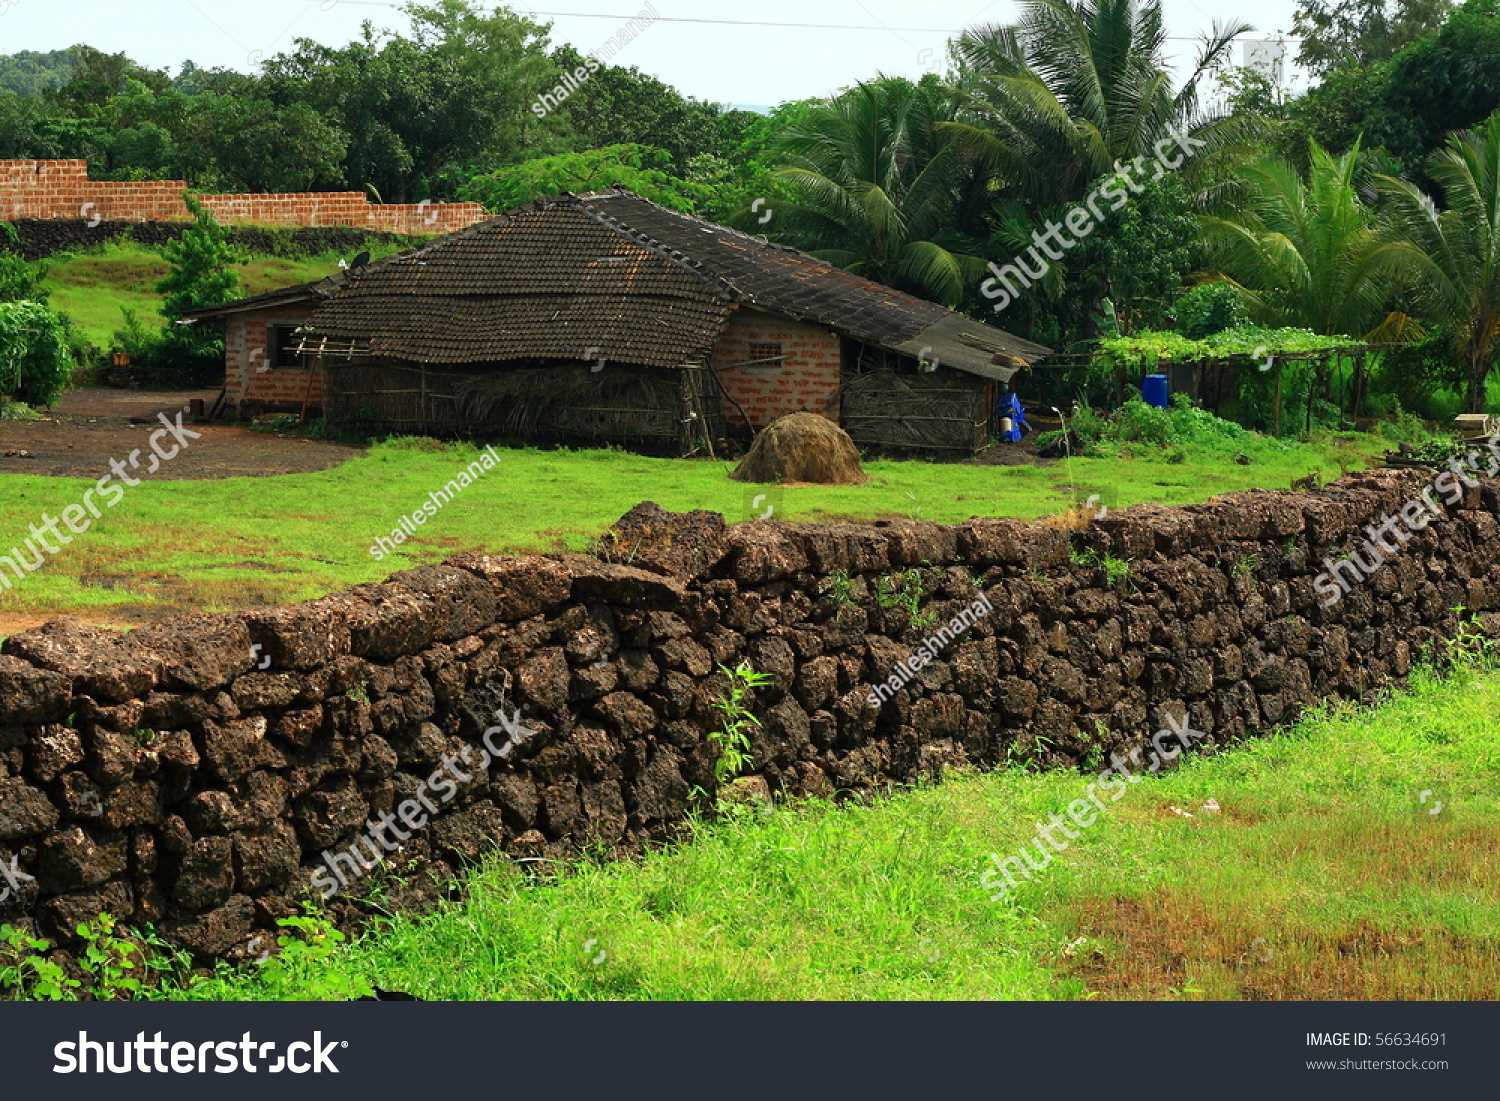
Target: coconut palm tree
{"points": [[871, 186], [1057, 100], [1456, 250], [1307, 253], [1051, 106]]}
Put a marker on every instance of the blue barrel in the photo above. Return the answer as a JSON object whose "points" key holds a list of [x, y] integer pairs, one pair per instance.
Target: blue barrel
{"points": [[1154, 391]]}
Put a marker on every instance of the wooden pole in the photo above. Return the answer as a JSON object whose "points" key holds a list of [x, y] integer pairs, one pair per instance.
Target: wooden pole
{"points": [[1357, 385], [1276, 405], [307, 394]]}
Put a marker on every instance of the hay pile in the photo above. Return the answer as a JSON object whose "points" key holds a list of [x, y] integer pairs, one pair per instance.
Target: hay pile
{"points": [[802, 447]]}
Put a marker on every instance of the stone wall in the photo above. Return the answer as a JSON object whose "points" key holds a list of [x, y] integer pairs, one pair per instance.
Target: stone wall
{"points": [[162, 776]]}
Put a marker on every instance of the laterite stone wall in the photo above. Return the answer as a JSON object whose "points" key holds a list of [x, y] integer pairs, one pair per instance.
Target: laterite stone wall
{"points": [[164, 777]]}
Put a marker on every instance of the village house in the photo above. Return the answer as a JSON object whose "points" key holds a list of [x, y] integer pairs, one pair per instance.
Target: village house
{"points": [[609, 318]]}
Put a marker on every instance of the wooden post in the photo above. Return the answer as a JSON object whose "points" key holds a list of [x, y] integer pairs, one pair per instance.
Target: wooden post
{"points": [[1307, 418], [1276, 404], [1357, 385], [307, 394]]}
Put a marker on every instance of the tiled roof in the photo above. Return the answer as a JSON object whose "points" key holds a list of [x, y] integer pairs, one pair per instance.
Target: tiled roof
{"points": [[615, 272]]}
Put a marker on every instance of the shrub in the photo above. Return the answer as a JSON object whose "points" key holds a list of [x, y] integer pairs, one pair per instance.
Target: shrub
{"points": [[1410, 376], [21, 281], [1208, 309], [34, 353], [1183, 425]]}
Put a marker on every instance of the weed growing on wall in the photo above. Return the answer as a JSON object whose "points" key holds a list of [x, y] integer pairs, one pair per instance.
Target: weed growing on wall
{"points": [[733, 738], [115, 964], [1116, 570], [839, 588], [905, 591]]}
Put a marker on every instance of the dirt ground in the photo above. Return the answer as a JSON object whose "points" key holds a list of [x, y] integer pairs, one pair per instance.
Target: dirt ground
{"points": [[87, 428]]}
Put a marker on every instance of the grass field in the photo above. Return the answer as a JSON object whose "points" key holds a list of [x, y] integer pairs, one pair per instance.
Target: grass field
{"points": [[1325, 874], [91, 286], [238, 542]]}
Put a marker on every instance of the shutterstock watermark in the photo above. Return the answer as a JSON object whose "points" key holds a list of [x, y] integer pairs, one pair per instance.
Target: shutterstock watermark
{"points": [[415, 813], [13, 876], [78, 518], [160, 1056], [1339, 578], [1082, 219], [408, 525], [547, 102], [1116, 780]]}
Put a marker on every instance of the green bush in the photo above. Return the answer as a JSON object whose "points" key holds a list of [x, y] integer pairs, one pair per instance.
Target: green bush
{"points": [[1414, 376], [21, 281], [1208, 309], [34, 353], [1135, 423]]}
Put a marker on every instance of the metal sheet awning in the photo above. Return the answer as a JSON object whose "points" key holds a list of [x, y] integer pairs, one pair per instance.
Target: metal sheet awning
{"points": [[966, 345]]}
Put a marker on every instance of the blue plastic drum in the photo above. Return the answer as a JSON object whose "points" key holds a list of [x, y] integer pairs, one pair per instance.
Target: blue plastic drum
{"points": [[1154, 391]]}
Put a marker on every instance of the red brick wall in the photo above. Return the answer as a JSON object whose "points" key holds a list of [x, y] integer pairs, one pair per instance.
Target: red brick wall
{"points": [[62, 189], [248, 374], [808, 378]]}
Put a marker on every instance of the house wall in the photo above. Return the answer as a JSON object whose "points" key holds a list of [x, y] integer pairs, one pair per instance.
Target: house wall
{"points": [[63, 190], [807, 379], [248, 376]]}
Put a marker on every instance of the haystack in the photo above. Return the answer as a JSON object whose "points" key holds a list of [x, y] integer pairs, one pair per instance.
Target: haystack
{"points": [[802, 447]]}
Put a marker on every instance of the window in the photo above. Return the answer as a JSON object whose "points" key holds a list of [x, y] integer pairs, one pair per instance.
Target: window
{"points": [[282, 342], [759, 352]]}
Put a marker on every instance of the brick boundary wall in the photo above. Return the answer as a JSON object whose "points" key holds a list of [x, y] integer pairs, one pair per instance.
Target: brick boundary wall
{"points": [[161, 776], [62, 190]]}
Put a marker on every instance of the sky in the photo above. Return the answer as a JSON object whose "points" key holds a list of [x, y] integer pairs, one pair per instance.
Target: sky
{"points": [[725, 62]]}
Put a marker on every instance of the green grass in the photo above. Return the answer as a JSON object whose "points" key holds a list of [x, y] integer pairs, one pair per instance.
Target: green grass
{"points": [[1322, 876], [91, 286], [237, 542]]}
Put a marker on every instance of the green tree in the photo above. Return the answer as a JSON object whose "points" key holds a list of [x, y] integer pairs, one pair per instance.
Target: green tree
{"points": [[872, 188], [620, 105], [1307, 253], [1057, 100], [201, 274], [1408, 104], [1457, 249], [23, 124], [97, 77], [1049, 108], [422, 113], [256, 145], [29, 73], [644, 170], [1347, 33]]}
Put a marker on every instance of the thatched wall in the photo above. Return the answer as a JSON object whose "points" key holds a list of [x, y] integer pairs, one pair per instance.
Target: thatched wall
{"points": [[941, 411], [554, 402]]}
